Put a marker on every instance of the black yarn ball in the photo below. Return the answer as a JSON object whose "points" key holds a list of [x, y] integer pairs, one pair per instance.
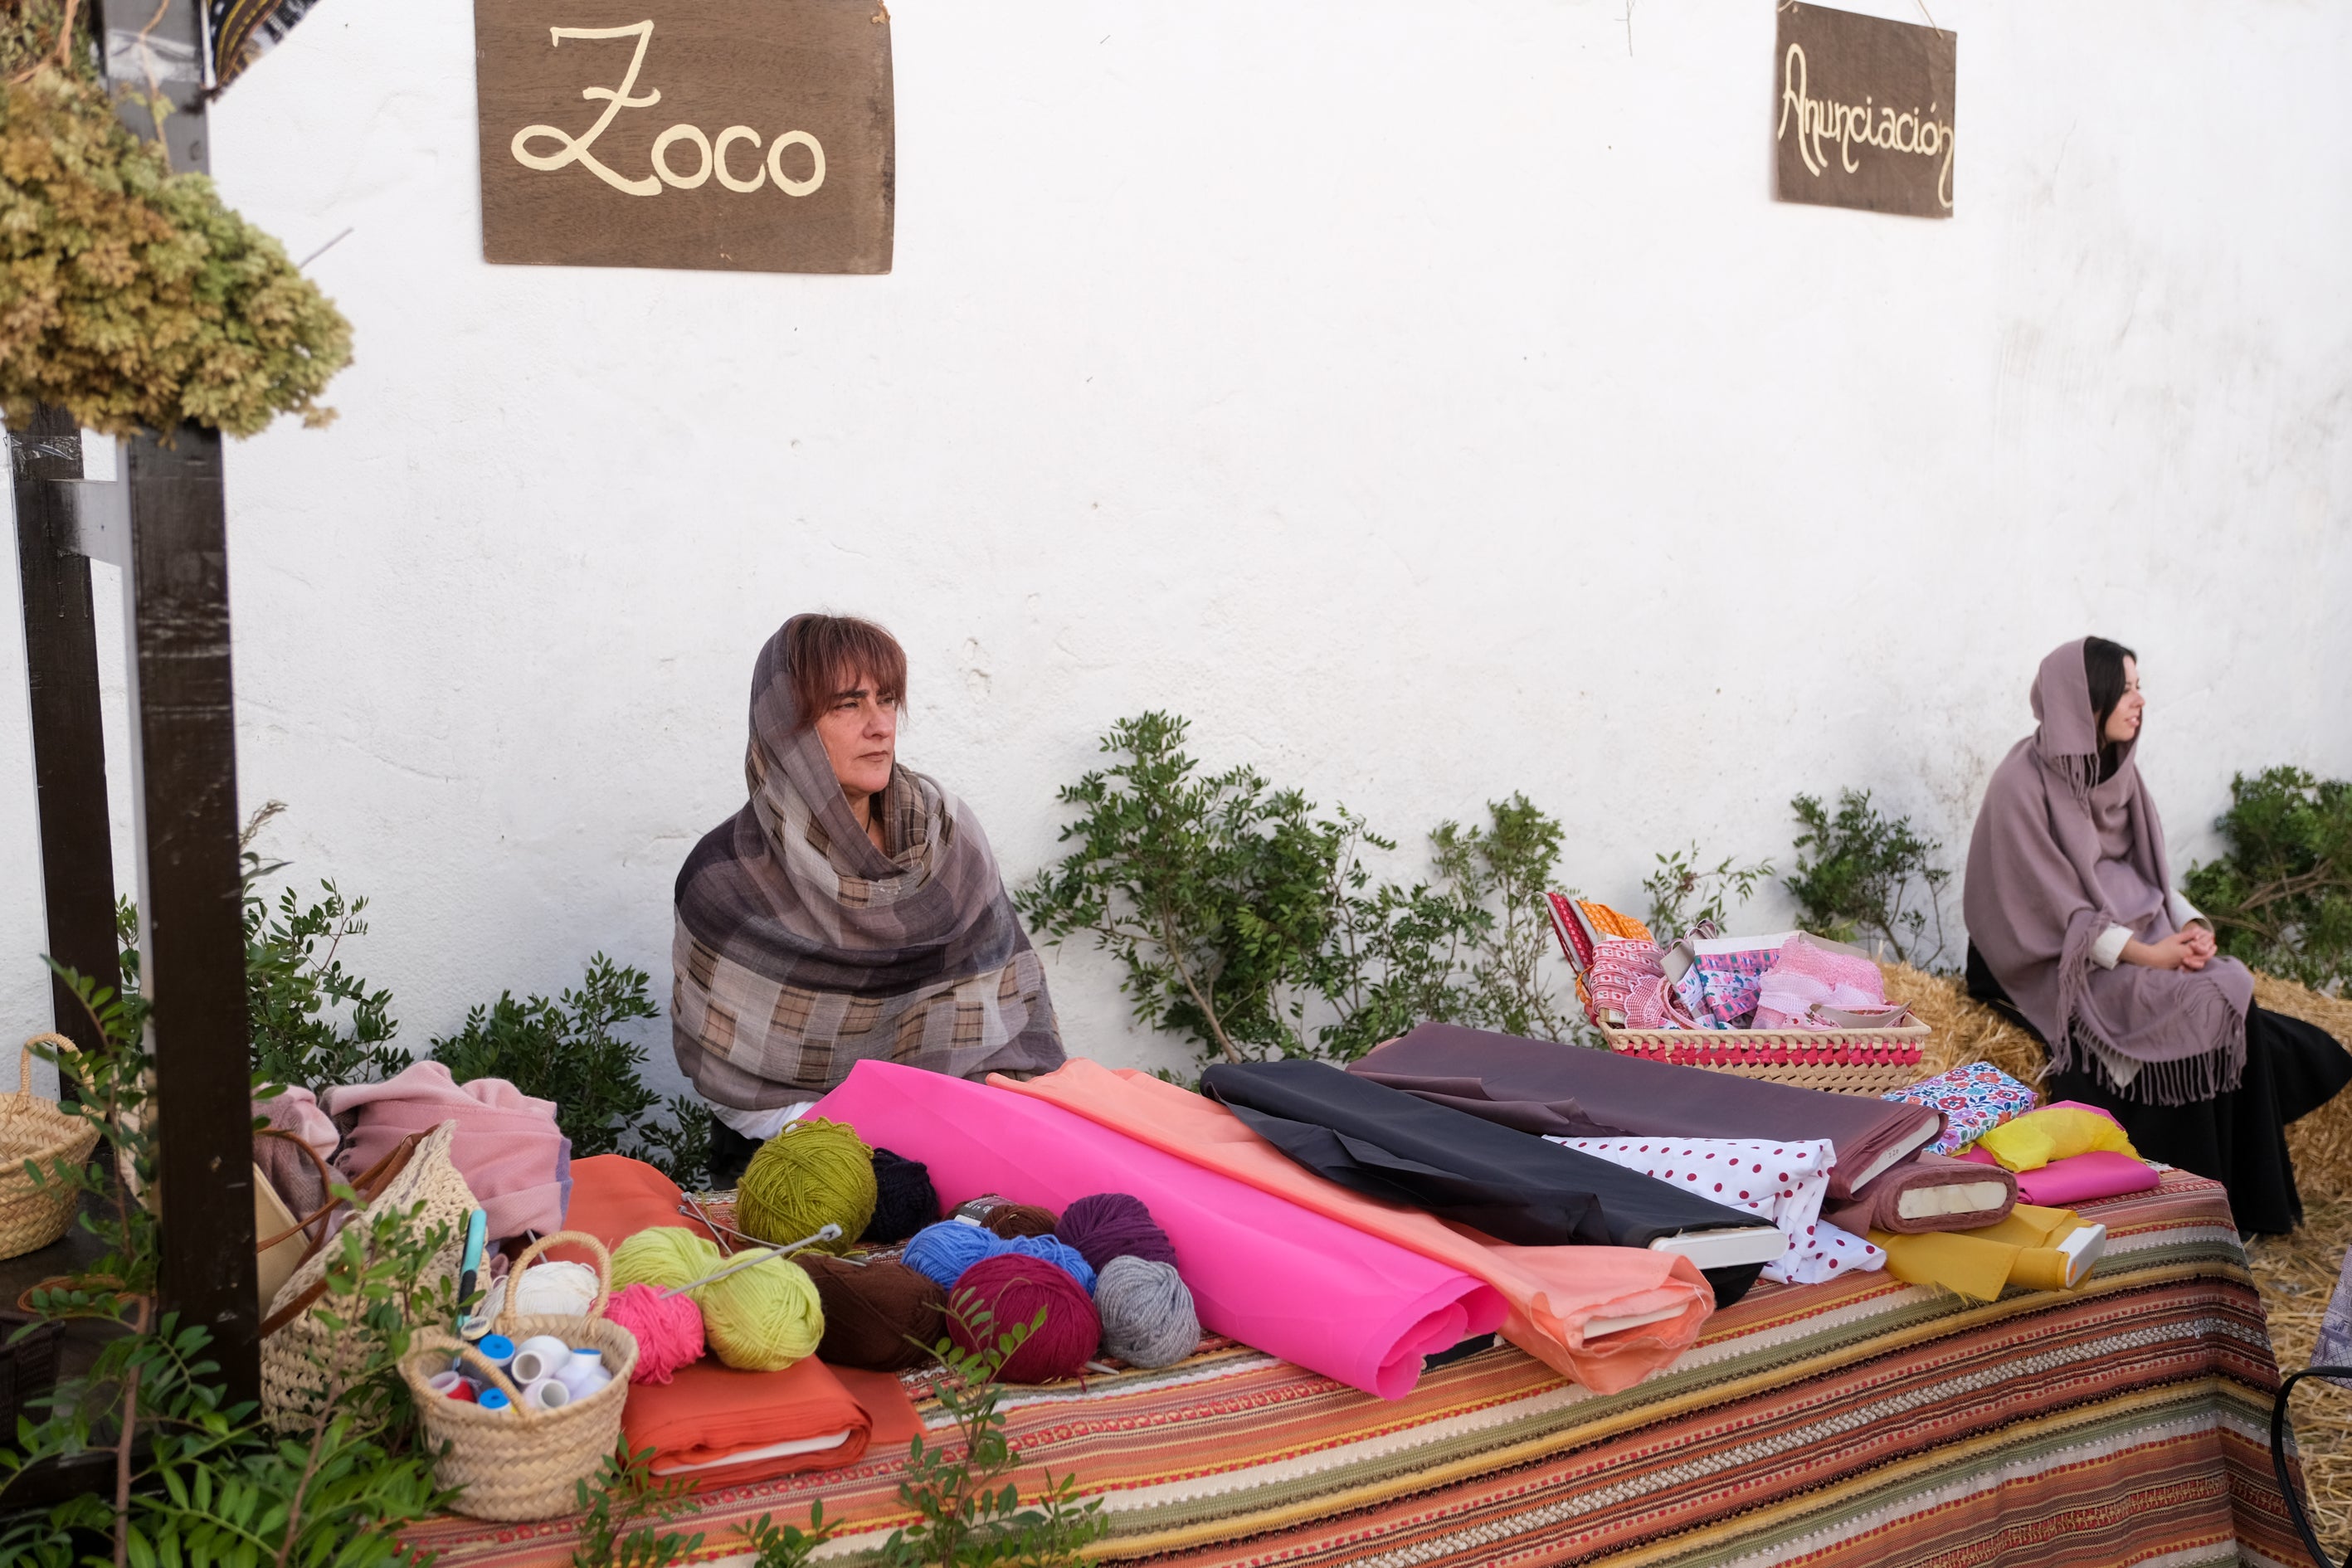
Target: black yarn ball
{"points": [[903, 1201]]}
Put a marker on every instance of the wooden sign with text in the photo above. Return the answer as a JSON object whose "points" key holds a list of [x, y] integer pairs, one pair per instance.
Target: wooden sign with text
{"points": [[1864, 111], [752, 136]]}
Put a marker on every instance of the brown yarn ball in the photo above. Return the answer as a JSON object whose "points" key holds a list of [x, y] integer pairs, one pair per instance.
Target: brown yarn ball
{"points": [[1010, 1220], [881, 1316]]}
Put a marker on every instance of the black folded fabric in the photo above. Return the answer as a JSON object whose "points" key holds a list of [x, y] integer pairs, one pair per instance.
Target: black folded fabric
{"points": [[1512, 1185]]}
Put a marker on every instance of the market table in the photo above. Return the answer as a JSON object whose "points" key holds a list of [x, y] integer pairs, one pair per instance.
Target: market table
{"points": [[1859, 1422]]}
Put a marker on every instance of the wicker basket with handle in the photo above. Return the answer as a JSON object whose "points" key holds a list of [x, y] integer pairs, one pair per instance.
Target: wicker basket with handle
{"points": [[1844, 1061], [518, 1463], [35, 1214]]}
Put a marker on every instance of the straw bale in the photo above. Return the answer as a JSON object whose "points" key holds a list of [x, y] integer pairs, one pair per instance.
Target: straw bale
{"points": [[1963, 1030], [2321, 1143], [2297, 1274]]}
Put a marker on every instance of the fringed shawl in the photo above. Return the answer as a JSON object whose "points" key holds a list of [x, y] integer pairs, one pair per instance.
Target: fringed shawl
{"points": [[801, 949], [2060, 855]]}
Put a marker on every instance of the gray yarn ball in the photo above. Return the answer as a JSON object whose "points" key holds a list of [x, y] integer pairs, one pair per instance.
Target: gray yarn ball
{"points": [[1147, 1313]]}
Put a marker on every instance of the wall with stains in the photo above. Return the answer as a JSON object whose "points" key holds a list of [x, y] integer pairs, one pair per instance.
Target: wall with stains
{"points": [[1430, 402]]}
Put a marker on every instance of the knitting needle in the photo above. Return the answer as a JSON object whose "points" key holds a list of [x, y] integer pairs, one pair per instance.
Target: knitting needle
{"points": [[729, 1229], [826, 1233], [704, 1216]]}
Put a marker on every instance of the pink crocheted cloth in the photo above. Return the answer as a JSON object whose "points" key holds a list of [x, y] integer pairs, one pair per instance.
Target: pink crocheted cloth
{"points": [[1806, 975], [1622, 968]]}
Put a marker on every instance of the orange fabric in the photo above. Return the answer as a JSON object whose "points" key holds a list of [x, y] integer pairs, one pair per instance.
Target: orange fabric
{"points": [[887, 1402], [613, 1197], [1553, 1291], [708, 1410]]}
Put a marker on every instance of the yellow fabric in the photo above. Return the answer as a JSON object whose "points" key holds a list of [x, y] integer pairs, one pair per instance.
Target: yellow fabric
{"points": [[2032, 1141], [2021, 1250]]}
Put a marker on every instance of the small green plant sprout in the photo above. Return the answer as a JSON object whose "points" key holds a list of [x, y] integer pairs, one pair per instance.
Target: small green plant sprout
{"points": [[1862, 873], [1684, 891]]}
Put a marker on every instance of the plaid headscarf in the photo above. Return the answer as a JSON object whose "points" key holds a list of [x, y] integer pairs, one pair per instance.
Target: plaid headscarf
{"points": [[801, 949]]}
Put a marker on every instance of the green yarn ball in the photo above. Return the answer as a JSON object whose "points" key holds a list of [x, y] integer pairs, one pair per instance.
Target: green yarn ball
{"points": [[761, 1319], [812, 1173]]}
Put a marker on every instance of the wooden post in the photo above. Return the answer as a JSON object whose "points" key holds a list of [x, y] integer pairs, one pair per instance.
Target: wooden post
{"points": [[68, 741]]}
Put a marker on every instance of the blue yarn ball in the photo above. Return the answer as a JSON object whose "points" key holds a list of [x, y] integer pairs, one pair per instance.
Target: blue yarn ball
{"points": [[943, 1251], [1054, 1250]]}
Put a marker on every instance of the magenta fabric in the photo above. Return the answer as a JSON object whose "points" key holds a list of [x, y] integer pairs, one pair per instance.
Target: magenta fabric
{"points": [[1263, 1270], [506, 1146], [2079, 1178]]}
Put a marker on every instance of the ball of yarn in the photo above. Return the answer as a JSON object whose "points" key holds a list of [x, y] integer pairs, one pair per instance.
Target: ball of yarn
{"points": [[943, 1251], [546, 1290], [762, 1319], [1114, 1224], [812, 1173], [669, 1330], [1001, 1293], [1010, 1220], [904, 1199], [882, 1315], [1052, 1249], [1147, 1313]]}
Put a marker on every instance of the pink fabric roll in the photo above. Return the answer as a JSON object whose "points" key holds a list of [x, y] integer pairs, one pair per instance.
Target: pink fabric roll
{"points": [[1262, 1271], [2079, 1178], [508, 1146]]}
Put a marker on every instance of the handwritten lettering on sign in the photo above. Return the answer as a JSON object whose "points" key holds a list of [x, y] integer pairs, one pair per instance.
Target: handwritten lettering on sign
{"points": [[1864, 113], [590, 107]]}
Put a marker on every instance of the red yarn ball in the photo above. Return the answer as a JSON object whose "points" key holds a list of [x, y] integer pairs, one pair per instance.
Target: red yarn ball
{"points": [[669, 1330], [1012, 1289]]}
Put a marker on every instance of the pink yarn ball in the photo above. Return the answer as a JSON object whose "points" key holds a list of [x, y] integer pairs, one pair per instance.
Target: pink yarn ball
{"points": [[669, 1330]]}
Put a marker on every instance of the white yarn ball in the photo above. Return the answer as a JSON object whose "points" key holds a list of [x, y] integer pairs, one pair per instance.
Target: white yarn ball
{"points": [[550, 1290]]}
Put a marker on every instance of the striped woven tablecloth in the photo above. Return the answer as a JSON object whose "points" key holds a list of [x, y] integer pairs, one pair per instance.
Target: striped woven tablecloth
{"points": [[1861, 1422]]}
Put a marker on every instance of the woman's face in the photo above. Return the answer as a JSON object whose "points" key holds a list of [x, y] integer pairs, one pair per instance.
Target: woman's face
{"points": [[2123, 724], [860, 732]]}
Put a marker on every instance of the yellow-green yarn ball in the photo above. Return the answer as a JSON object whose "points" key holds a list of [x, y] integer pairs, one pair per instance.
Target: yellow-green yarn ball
{"points": [[812, 1173], [764, 1318], [761, 1319]]}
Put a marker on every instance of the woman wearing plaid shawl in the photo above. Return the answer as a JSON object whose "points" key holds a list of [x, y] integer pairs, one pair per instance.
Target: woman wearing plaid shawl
{"points": [[852, 908]]}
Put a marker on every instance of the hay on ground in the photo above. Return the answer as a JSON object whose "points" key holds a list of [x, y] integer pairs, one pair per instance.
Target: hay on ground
{"points": [[1963, 1030], [2296, 1275]]}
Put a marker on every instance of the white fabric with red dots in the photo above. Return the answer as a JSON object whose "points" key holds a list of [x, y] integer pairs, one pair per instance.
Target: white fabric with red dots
{"points": [[1784, 1183]]}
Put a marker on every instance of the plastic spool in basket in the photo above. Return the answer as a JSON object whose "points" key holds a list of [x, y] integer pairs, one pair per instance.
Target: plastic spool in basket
{"points": [[32, 1217], [521, 1463]]}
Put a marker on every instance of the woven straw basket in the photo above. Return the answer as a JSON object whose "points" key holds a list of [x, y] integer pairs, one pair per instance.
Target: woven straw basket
{"points": [[33, 1214], [294, 1340], [1844, 1061], [518, 1463]]}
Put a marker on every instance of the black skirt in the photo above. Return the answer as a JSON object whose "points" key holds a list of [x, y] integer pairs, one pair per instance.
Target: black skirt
{"points": [[2238, 1137]]}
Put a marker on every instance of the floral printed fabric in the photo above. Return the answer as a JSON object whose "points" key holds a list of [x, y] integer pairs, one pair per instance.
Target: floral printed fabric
{"points": [[1784, 1182], [1720, 988], [1974, 1098]]}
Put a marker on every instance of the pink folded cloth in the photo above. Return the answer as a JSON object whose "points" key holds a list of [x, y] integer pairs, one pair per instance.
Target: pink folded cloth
{"points": [[2080, 1178], [1276, 1276], [1807, 976], [291, 1174], [508, 1146]]}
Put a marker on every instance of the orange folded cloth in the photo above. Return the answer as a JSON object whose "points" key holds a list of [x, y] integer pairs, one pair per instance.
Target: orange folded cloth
{"points": [[1606, 1317], [613, 1197], [711, 1425]]}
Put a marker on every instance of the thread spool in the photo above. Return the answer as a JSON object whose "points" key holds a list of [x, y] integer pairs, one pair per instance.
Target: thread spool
{"points": [[669, 1330], [759, 1319], [494, 1399], [999, 1294], [546, 1394], [882, 1315], [584, 1373], [1147, 1317], [812, 1173], [1013, 1220], [496, 1349], [537, 1358], [451, 1385], [1104, 1225], [904, 1199]]}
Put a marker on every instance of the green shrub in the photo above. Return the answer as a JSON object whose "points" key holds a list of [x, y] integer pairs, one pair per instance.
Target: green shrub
{"points": [[2281, 896], [1862, 873], [1684, 891]]}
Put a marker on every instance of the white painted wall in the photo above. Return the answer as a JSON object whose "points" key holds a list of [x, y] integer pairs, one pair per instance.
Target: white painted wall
{"points": [[1428, 399]]}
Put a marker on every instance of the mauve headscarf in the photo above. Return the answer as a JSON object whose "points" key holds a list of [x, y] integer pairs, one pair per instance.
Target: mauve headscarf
{"points": [[801, 950], [2058, 857]]}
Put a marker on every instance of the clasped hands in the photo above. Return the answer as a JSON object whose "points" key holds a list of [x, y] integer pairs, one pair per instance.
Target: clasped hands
{"points": [[2190, 948]]}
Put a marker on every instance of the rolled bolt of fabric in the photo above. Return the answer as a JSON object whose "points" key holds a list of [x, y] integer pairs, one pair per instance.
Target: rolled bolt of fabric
{"points": [[1147, 1313], [1014, 1220], [541, 1356], [1104, 1225]]}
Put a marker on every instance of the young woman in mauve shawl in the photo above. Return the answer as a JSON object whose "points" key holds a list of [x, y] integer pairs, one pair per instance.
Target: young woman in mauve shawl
{"points": [[852, 908], [2075, 930]]}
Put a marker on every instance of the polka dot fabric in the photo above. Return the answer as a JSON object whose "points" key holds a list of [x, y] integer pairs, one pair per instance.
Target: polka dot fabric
{"points": [[1784, 1183]]}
